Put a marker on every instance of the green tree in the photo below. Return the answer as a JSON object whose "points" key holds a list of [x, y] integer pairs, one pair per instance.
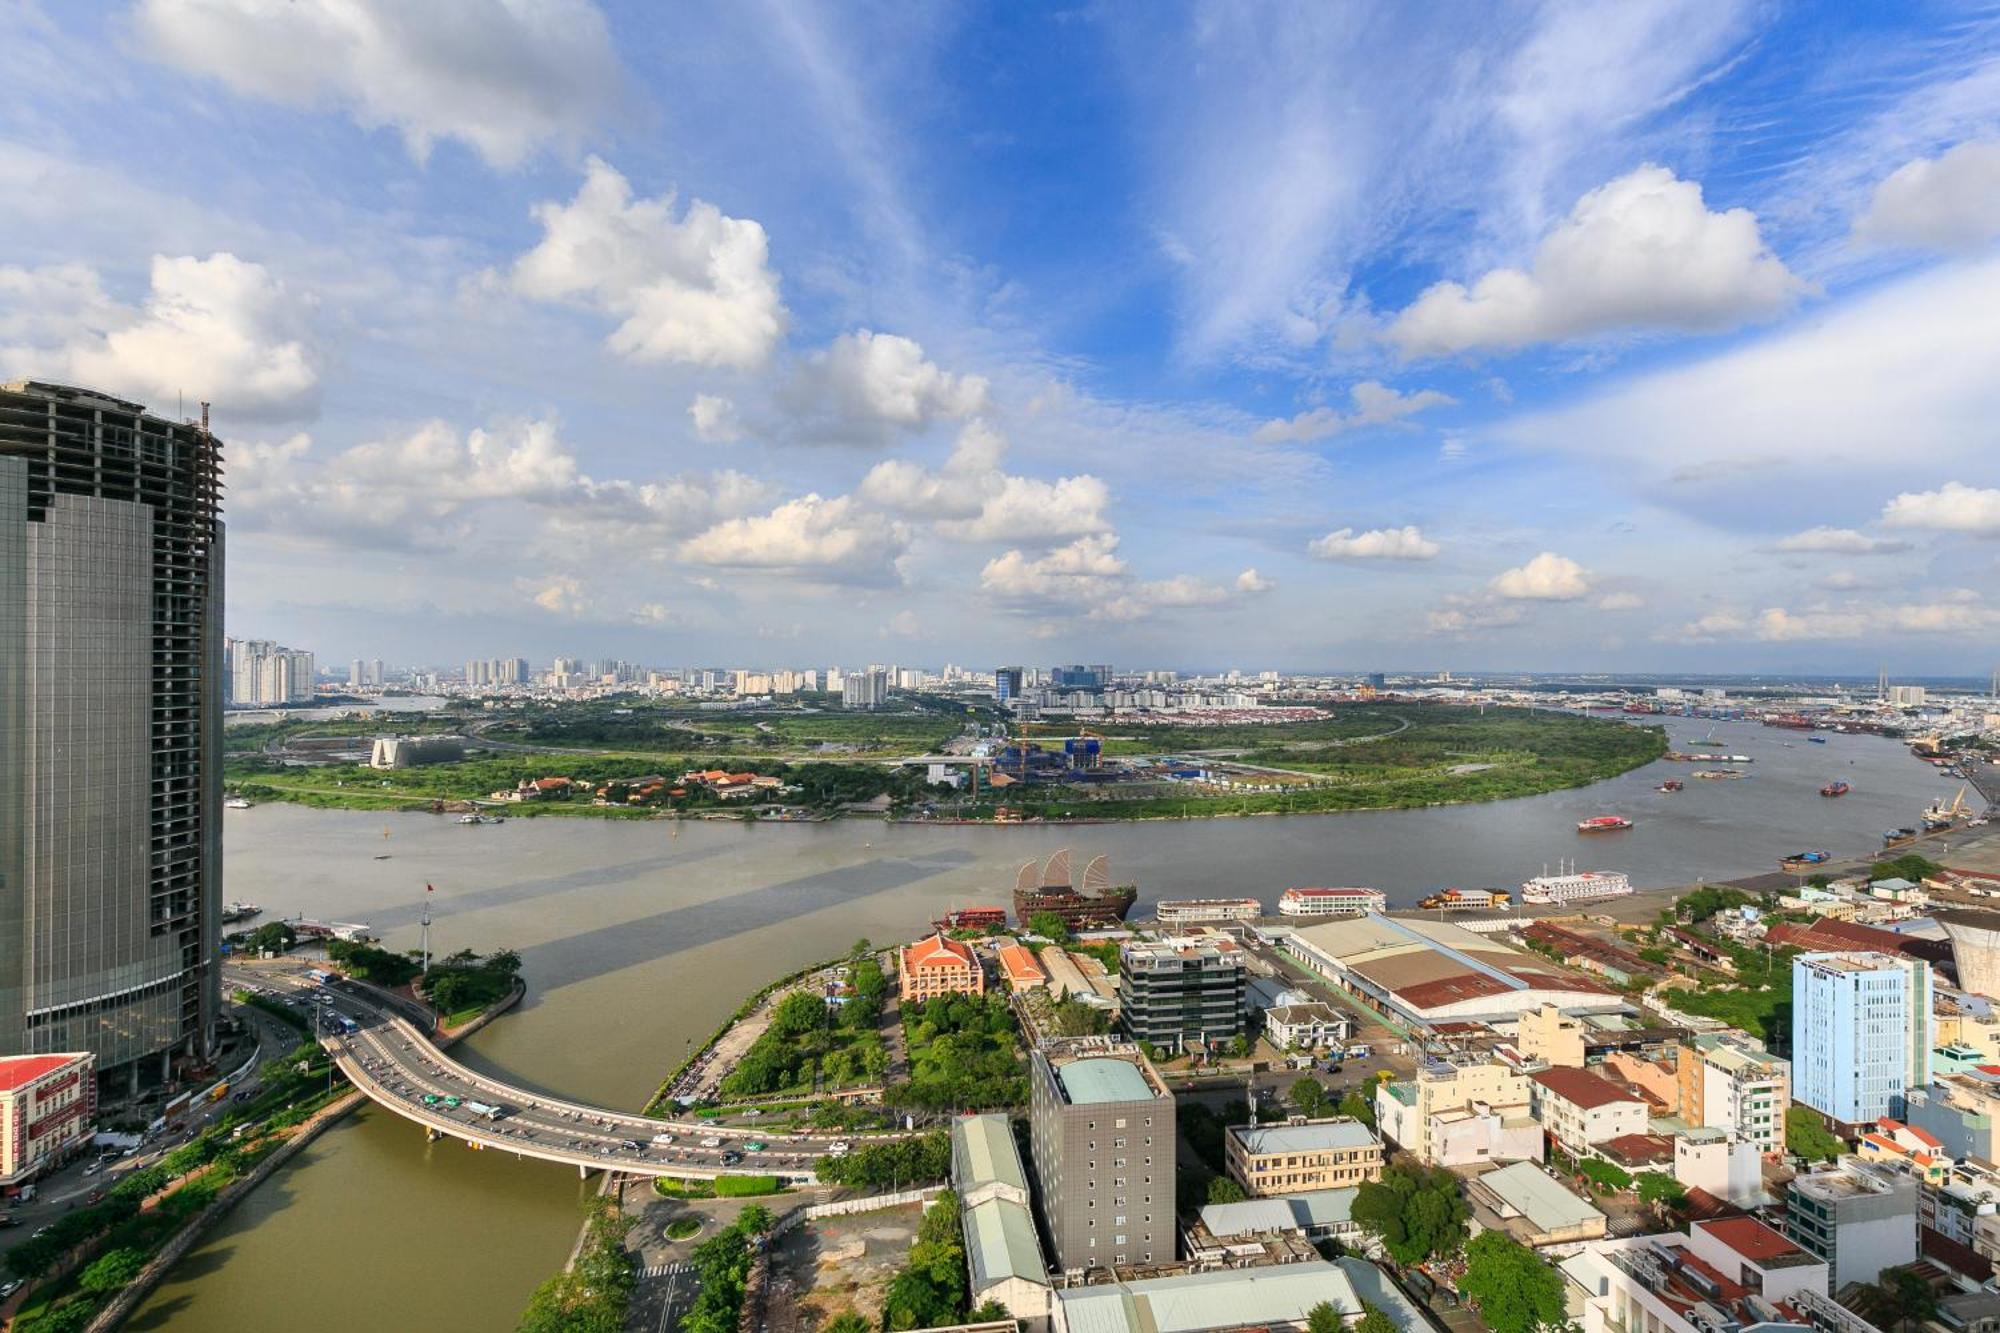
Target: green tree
{"points": [[1362, 1108], [1661, 1190], [1807, 1136], [1515, 1291], [1325, 1318], [847, 1322], [112, 1271], [1906, 1295], [931, 1288], [987, 1312], [1050, 927], [755, 1220], [1605, 1175], [1308, 1098], [1416, 1212], [1221, 1189], [1375, 1320]]}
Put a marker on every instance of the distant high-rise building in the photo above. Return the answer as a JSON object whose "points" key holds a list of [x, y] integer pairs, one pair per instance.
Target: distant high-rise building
{"points": [[263, 673], [1006, 684], [865, 689], [111, 690], [357, 674], [1861, 1033], [375, 673], [1377, 681]]}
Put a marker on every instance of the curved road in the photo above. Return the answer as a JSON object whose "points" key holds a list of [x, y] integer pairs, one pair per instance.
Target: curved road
{"points": [[394, 1062]]}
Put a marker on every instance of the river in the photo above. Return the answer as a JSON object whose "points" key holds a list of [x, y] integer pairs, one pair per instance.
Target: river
{"points": [[636, 943]]}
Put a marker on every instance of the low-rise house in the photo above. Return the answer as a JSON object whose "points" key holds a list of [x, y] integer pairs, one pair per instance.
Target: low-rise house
{"points": [[1536, 1210], [1577, 1108], [1964, 1207], [1311, 1026], [1302, 1155], [1312, 1214], [1729, 1168], [1018, 966], [1724, 1273], [940, 966], [1905, 1148], [1002, 1253], [1962, 1112]]}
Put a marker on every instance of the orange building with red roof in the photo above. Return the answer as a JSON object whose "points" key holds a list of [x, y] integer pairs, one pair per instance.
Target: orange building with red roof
{"points": [[940, 966], [1019, 966]]}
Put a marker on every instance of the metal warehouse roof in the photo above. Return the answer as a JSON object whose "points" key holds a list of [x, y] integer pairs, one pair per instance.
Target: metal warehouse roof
{"points": [[1322, 1136], [1001, 1243], [986, 1150], [1231, 1298]]}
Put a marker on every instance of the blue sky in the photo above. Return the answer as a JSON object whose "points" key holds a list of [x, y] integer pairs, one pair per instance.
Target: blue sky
{"points": [[1646, 335]]}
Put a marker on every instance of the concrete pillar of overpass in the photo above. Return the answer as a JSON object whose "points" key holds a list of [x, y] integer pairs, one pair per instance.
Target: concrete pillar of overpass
{"points": [[582, 1171]]}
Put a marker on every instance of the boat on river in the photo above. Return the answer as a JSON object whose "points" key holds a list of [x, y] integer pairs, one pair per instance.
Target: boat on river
{"points": [[1671, 784], [1801, 860], [1467, 900], [1835, 789], [1603, 824], [1098, 903]]}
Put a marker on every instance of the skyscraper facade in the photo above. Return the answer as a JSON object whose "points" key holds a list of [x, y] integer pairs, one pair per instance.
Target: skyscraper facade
{"points": [[1861, 1033], [110, 731]]}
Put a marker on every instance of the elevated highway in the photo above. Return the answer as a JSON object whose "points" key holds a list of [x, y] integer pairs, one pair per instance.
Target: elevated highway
{"points": [[392, 1059]]}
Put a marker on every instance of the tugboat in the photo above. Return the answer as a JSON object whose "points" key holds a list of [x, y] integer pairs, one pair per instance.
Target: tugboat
{"points": [[1603, 824], [1835, 789], [1671, 784]]}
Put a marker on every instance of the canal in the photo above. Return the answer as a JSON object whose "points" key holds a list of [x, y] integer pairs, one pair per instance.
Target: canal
{"points": [[637, 942]]}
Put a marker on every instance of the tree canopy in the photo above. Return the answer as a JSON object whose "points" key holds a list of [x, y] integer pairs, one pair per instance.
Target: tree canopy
{"points": [[1515, 1291], [1417, 1212], [1807, 1136]]}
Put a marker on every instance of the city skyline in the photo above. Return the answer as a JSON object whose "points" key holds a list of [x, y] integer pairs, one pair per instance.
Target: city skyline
{"points": [[791, 334]]}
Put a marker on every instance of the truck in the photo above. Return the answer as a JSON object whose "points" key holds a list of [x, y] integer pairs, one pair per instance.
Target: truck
{"points": [[486, 1110]]}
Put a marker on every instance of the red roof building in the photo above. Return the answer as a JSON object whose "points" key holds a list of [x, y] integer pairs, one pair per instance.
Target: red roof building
{"points": [[47, 1106], [940, 966], [1578, 1109], [1017, 963]]}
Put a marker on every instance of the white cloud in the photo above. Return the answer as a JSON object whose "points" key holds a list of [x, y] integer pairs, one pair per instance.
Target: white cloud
{"points": [[698, 289], [1840, 541], [1908, 361], [972, 499], [1547, 578], [221, 330], [830, 538], [1089, 578], [1375, 404], [715, 419], [1620, 601], [504, 78], [884, 377], [1404, 543], [1641, 252], [1953, 507], [1461, 614], [1950, 202], [1953, 614], [1250, 581]]}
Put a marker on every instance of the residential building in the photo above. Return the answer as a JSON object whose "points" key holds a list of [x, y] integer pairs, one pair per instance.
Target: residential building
{"points": [[1460, 1112], [1523, 1201], [1002, 1253], [1730, 1168], [1861, 1033], [1961, 1111], [1311, 1214], [1905, 1148], [47, 1105], [263, 673], [1730, 1272], [1006, 684], [1546, 1035], [1861, 1219], [939, 966], [1312, 1025], [1302, 1155], [1577, 1108], [1181, 992], [1101, 1134], [1964, 1206], [110, 732], [1727, 1081], [1019, 967], [864, 689], [1332, 902], [1277, 1298]]}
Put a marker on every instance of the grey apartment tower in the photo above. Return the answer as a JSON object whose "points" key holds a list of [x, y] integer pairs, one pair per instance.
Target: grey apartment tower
{"points": [[110, 731]]}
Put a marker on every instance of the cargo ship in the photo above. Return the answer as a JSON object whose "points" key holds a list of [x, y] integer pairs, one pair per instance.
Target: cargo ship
{"points": [[1720, 758], [1603, 824], [234, 912], [1671, 784], [1717, 774], [1835, 789], [1099, 903], [1800, 860], [1467, 900]]}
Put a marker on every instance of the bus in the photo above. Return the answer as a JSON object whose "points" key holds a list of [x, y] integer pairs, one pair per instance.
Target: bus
{"points": [[487, 1111], [319, 974]]}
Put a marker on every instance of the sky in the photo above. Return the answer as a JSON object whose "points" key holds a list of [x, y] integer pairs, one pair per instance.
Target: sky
{"points": [[1637, 336]]}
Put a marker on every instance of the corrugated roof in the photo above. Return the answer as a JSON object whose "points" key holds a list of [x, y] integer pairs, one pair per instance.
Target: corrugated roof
{"points": [[1232, 1298], [1326, 1135], [1290, 1212], [1001, 1243], [1524, 1188], [1582, 1088], [986, 1152], [1102, 1079]]}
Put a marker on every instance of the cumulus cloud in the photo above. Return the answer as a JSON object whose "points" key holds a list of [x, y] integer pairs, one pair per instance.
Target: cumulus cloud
{"points": [[1547, 578], [221, 330], [1404, 543], [885, 378], [971, 498], [1461, 614], [715, 419], [1953, 614], [1375, 404], [1953, 507], [1088, 577], [503, 79], [1640, 252], [1620, 601], [1950, 202], [1840, 541], [696, 289], [835, 539]]}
